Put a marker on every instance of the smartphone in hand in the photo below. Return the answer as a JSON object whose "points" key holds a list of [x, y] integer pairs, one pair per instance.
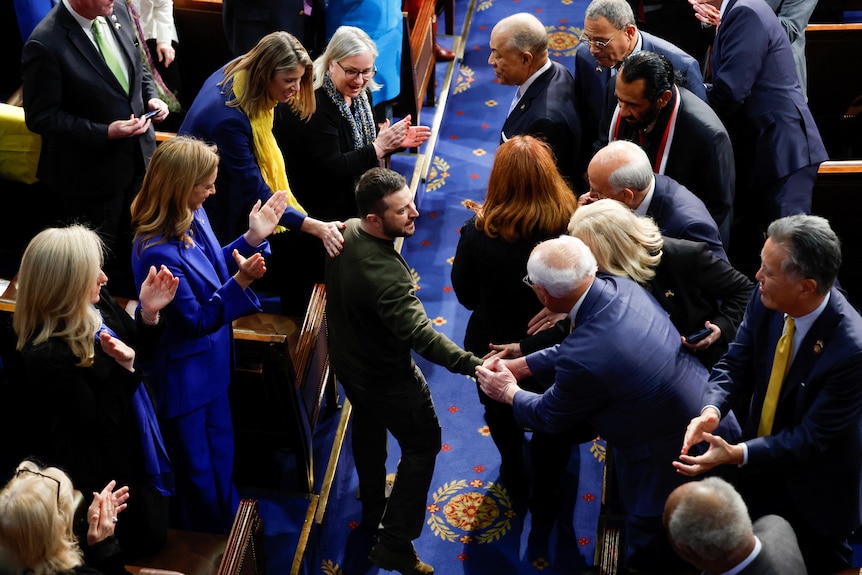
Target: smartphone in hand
{"points": [[698, 336], [150, 114]]}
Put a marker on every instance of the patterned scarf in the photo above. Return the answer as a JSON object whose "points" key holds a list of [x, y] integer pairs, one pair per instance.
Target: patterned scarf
{"points": [[266, 150], [361, 120]]}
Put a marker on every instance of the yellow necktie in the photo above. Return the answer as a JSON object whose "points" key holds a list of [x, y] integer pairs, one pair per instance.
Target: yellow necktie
{"points": [[783, 351], [110, 57]]}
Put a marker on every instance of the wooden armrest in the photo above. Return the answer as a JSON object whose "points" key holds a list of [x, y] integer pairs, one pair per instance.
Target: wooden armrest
{"points": [[164, 136]]}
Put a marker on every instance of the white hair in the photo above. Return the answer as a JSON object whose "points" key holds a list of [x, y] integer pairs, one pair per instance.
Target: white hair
{"points": [[561, 264]]}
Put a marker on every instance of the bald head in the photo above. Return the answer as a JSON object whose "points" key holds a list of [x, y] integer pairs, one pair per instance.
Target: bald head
{"points": [[708, 524], [519, 48], [621, 171]]}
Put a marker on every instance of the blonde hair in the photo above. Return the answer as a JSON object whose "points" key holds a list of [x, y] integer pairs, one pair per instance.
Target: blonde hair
{"points": [[526, 195], [58, 271], [161, 211], [36, 519], [274, 53], [624, 243]]}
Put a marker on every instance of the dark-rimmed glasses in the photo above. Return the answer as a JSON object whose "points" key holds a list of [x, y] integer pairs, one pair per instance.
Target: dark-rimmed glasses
{"points": [[54, 479], [527, 281], [601, 44], [351, 74]]}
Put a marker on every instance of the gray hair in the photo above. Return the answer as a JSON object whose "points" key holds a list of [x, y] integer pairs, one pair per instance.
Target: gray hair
{"points": [[813, 249], [561, 264], [347, 41], [526, 33], [617, 12], [711, 520], [636, 171]]}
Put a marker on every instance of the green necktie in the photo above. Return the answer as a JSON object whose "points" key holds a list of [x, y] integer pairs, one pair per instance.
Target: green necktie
{"points": [[110, 57], [783, 351]]}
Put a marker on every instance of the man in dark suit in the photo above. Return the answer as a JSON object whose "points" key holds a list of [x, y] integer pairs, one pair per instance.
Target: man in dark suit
{"points": [[708, 526], [622, 171], [631, 398], [610, 36], [803, 433], [756, 93], [95, 144], [680, 133], [543, 105]]}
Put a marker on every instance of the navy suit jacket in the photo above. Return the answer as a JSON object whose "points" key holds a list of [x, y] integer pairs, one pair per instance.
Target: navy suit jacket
{"points": [[756, 93], [591, 82], [239, 182], [816, 438], [547, 110], [680, 214], [195, 358], [70, 98], [640, 402], [700, 156]]}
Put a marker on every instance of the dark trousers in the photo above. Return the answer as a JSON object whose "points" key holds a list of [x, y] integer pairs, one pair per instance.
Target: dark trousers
{"points": [[757, 204], [405, 409]]}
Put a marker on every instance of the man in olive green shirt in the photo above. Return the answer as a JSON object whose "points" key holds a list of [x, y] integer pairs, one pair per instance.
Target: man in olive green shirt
{"points": [[375, 320]]}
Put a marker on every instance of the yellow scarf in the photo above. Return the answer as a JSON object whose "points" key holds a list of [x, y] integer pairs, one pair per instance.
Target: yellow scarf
{"points": [[266, 150]]}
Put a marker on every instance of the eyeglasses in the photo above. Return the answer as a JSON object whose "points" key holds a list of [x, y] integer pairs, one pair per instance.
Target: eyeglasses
{"points": [[351, 74], [54, 479], [527, 281], [602, 45]]}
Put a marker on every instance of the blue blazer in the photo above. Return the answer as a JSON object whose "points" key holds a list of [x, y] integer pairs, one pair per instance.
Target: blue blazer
{"points": [[640, 402], [756, 94], [591, 80], [547, 110], [680, 214], [816, 438], [239, 183], [70, 98], [194, 361]]}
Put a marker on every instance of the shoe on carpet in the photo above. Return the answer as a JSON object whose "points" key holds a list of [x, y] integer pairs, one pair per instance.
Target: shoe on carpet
{"points": [[441, 54], [404, 560]]}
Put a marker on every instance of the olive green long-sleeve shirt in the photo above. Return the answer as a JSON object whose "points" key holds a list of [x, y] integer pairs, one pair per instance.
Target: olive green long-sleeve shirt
{"points": [[375, 318]]}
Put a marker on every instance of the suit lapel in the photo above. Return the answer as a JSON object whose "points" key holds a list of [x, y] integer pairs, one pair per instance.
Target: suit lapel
{"points": [[526, 100], [123, 30], [78, 38], [811, 347]]}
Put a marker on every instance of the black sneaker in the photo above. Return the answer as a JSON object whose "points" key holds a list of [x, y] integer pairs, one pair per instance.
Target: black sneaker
{"points": [[403, 560]]}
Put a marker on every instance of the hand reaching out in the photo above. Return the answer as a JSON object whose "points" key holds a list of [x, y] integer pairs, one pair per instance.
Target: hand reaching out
{"points": [[543, 320]]}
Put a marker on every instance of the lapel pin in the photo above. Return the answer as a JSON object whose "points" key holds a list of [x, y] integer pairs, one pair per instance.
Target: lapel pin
{"points": [[598, 69], [818, 346], [669, 293], [117, 25]]}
